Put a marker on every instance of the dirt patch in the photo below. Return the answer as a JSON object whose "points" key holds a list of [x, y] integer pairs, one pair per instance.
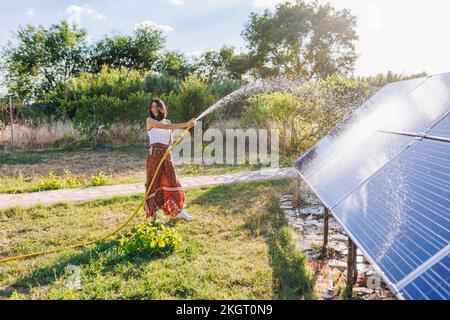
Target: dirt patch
{"points": [[119, 165]]}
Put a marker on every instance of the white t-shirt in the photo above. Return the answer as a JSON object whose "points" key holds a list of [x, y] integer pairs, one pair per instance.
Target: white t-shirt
{"points": [[157, 135]]}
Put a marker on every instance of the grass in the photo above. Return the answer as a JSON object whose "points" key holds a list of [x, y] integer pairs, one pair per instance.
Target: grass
{"points": [[19, 158], [238, 247]]}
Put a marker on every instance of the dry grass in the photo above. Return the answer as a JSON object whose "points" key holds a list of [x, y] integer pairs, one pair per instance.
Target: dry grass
{"points": [[35, 137]]}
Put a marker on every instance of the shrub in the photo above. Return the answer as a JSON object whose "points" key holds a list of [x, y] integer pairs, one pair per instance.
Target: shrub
{"points": [[303, 116], [193, 99], [53, 182], [222, 88], [113, 83], [100, 179], [148, 238], [50, 182], [160, 84]]}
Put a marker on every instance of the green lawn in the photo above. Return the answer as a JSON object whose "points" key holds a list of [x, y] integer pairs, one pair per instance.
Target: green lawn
{"points": [[238, 247]]}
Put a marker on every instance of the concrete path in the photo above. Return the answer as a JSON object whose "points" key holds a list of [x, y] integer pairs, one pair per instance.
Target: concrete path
{"points": [[76, 195]]}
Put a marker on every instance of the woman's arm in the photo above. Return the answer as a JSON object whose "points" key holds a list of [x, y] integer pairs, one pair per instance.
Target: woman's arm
{"points": [[151, 123]]}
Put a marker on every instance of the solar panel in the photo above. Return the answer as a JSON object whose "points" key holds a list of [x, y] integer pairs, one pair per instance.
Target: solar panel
{"points": [[401, 215], [389, 190]]}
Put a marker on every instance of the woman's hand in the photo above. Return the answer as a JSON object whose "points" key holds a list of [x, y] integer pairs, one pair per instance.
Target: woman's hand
{"points": [[191, 123]]}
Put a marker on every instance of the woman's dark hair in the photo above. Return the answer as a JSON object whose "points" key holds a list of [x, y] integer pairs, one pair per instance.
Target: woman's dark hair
{"points": [[161, 108]]}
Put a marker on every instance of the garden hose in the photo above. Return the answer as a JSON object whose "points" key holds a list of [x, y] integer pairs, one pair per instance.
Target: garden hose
{"points": [[84, 244]]}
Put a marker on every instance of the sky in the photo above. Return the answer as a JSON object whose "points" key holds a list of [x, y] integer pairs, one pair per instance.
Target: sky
{"points": [[403, 36]]}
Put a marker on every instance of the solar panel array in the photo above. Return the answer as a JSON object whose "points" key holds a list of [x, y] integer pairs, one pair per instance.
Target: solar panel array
{"points": [[385, 175]]}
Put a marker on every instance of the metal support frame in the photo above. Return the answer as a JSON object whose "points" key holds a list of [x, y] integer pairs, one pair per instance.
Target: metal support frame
{"points": [[352, 269], [325, 231]]}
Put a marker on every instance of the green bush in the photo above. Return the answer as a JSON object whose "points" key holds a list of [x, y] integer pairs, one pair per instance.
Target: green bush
{"points": [[67, 180], [110, 82], [220, 89], [160, 84], [100, 179], [193, 99], [152, 239], [50, 182], [303, 116]]}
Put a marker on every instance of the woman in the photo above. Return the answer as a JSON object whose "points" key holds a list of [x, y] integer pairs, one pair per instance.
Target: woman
{"points": [[166, 192]]}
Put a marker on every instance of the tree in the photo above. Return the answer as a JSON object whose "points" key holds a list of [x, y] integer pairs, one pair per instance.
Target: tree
{"points": [[381, 79], [174, 64], [223, 64], [43, 59], [139, 51], [302, 40]]}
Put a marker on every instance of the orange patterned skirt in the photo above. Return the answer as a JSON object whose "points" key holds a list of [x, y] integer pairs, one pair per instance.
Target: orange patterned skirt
{"points": [[166, 193]]}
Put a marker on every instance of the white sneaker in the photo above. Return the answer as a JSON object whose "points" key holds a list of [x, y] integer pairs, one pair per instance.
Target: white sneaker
{"points": [[157, 219], [183, 215]]}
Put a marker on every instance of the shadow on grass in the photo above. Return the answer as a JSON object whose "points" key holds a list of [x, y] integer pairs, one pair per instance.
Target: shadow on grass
{"points": [[226, 195], [49, 274], [291, 279]]}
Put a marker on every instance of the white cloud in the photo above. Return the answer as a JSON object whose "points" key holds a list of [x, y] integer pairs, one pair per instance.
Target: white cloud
{"points": [[30, 12], [75, 12], [267, 3], [153, 25], [177, 2]]}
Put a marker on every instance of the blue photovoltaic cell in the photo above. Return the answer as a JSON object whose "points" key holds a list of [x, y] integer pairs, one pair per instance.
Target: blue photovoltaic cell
{"points": [[441, 129], [401, 216], [424, 106], [359, 125], [360, 160], [433, 284]]}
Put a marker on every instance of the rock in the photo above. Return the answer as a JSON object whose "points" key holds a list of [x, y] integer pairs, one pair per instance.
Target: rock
{"points": [[339, 237], [362, 290], [335, 274], [340, 248], [313, 237], [286, 198], [313, 255], [304, 245], [289, 212], [328, 294], [340, 265], [334, 225], [315, 223], [370, 272], [313, 230], [360, 259]]}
